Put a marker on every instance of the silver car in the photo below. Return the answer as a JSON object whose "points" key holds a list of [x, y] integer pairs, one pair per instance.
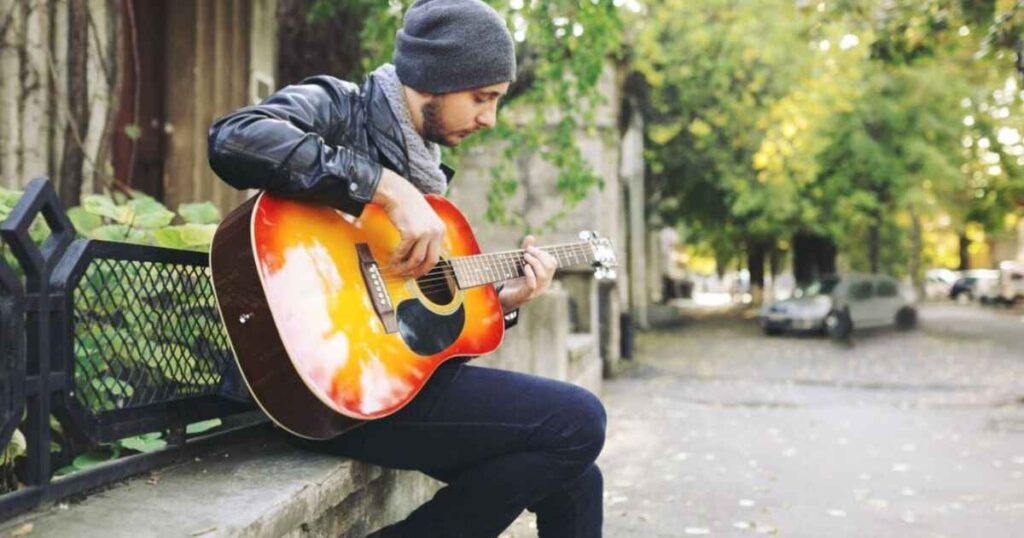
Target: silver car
{"points": [[836, 305]]}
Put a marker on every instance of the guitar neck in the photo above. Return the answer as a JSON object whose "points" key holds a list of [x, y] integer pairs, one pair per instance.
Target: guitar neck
{"points": [[480, 269]]}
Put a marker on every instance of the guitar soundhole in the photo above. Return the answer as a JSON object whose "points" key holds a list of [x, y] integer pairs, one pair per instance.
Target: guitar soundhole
{"points": [[438, 284]]}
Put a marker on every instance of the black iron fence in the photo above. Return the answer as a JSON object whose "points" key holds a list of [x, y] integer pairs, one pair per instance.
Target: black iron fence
{"points": [[100, 341]]}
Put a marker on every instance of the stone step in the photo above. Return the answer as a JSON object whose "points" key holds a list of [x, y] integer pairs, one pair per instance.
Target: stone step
{"points": [[258, 486], [584, 367]]}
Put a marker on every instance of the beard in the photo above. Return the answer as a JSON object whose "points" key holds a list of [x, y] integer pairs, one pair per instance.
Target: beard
{"points": [[433, 127]]}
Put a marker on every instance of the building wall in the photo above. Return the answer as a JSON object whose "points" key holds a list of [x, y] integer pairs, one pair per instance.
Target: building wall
{"points": [[33, 59], [219, 55]]}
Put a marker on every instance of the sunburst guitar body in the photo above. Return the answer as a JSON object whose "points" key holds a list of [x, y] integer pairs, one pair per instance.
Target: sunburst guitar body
{"points": [[325, 337]]}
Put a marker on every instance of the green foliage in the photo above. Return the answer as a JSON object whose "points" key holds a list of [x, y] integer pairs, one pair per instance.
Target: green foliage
{"points": [[715, 70], [136, 444], [563, 48], [141, 219], [840, 119], [121, 320]]}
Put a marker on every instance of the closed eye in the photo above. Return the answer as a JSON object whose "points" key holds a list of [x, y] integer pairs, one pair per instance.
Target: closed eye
{"points": [[482, 98]]}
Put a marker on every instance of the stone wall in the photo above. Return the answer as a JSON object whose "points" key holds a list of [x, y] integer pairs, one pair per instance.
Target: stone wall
{"points": [[537, 200]]}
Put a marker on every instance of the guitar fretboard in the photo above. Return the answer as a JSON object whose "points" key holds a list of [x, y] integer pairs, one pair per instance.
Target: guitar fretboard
{"points": [[480, 269]]}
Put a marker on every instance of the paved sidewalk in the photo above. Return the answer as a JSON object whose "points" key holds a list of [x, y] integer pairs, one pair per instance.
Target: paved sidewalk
{"points": [[718, 430]]}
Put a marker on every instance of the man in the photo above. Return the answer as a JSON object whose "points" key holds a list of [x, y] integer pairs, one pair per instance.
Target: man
{"points": [[501, 441]]}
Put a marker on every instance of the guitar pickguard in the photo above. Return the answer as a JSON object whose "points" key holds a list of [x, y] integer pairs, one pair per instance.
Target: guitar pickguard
{"points": [[427, 332]]}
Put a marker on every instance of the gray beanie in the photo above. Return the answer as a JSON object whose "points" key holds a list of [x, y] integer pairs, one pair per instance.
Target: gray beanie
{"points": [[453, 45]]}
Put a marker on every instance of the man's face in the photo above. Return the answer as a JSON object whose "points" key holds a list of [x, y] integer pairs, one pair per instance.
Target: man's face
{"points": [[449, 118]]}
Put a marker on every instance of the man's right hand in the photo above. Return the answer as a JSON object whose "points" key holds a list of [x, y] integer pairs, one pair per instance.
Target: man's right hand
{"points": [[421, 229]]}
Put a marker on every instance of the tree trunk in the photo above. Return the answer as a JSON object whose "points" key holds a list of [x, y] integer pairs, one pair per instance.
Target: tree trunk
{"points": [[916, 258], [774, 262], [803, 259], [103, 174], [774, 267], [77, 123], [874, 245], [965, 255], [813, 256], [826, 255], [756, 250]]}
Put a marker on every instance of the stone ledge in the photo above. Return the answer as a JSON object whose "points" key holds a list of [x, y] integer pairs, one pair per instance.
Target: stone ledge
{"points": [[580, 346], [257, 486], [584, 363]]}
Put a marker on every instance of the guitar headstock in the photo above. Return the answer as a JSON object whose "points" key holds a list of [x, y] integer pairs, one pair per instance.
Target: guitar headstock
{"points": [[603, 253]]}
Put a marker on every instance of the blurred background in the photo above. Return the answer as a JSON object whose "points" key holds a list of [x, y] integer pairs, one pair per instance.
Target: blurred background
{"points": [[817, 209]]}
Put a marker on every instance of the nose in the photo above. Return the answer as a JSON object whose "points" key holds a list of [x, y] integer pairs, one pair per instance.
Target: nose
{"points": [[489, 116]]}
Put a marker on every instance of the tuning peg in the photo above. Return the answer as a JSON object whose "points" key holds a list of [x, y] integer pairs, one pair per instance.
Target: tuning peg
{"points": [[604, 273], [588, 235]]}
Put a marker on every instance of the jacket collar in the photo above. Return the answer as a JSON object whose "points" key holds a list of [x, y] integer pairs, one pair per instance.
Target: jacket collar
{"points": [[386, 133]]}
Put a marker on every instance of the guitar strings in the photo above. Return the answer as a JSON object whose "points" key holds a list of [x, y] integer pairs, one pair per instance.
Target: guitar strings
{"points": [[488, 259], [491, 256], [491, 259], [439, 278]]}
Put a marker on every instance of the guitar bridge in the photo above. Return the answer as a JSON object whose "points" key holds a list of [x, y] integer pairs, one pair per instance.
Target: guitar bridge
{"points": [[375, 287]]}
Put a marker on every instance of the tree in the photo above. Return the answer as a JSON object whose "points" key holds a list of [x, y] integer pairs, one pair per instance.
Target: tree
{"points": [[563, 46], [715, 69]]}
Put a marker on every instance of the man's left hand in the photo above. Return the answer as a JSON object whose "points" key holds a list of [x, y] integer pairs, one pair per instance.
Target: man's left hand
{"points": [[539, 270]]}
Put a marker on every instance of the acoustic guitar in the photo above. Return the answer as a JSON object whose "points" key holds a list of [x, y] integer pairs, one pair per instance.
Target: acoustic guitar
{"points": [[325, 337]]}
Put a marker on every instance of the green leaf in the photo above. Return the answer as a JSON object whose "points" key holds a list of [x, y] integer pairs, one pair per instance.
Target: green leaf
{"points": [[119, 232], [64, 471], [141, 444], [200, 427], [91, 459], [133, 131], [103, 206], [113, 386], [83, 220], [15, 448], [9, 197], [55, 425], [148, 213], [169, 237], [201, 213], [178, 363], [198, 235]]}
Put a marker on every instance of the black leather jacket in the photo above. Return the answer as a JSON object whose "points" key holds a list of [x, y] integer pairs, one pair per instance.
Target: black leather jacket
{"points": [[323, 140]]}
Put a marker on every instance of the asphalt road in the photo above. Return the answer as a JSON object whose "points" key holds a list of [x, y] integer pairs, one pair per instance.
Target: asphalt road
{"points": [[719, 430]]}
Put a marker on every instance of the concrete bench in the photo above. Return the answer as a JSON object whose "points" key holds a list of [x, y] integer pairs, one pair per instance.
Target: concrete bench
{"points": [[254, 484]]}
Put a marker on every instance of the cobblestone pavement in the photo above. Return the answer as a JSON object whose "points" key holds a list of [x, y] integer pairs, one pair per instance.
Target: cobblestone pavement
{"points": [[719, 430]]}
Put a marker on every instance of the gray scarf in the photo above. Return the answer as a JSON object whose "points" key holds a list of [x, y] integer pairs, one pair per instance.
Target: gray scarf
{"points": [[424, 157]]}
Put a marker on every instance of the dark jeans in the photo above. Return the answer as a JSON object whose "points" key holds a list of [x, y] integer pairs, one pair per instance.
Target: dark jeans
{"points": [[502, 442]]}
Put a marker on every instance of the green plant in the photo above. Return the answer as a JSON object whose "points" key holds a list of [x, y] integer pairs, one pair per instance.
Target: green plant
{"points": [[138, 218], [118, 317]]}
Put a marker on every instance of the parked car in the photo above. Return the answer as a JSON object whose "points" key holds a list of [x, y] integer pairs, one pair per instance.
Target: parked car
{"points": [[938, 282], [836, 305], [1011, 282], [980, 284]]}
